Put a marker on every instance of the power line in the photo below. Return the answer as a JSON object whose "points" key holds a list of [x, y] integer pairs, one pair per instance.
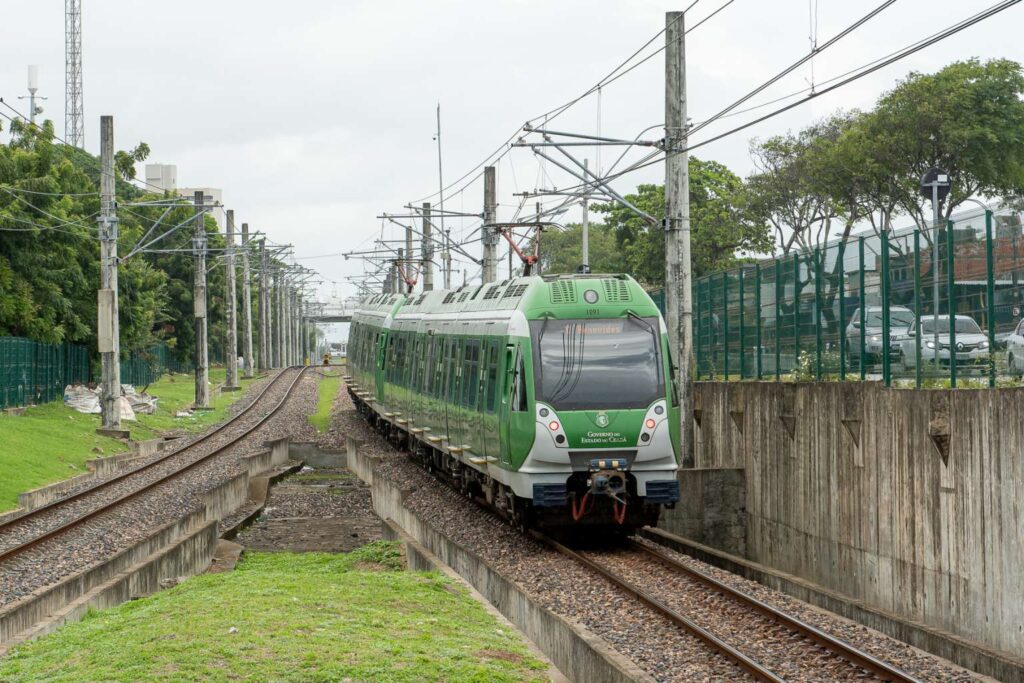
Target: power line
{"points": [[869, 69]]}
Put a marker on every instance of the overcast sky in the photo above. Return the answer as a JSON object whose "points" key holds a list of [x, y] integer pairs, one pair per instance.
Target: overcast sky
{"points": [[314, 117]]}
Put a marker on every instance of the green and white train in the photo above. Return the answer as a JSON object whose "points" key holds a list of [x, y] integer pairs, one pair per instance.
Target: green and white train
{"points": [[550, 398]]}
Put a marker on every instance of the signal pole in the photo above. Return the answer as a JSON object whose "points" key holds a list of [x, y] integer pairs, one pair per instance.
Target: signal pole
{"points": [[231, 355], [490, 237], [108, 325], [678, 297], [199, 304], [274, 321], [427, 250], [247, 304]]}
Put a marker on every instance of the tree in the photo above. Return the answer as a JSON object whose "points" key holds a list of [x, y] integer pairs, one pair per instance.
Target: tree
{"points": [[562, 251], [720, 220], [967, 119]]}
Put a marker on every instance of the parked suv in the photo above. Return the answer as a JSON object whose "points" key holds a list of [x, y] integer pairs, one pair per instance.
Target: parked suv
{"points": [[971, 342], [900, 318]]}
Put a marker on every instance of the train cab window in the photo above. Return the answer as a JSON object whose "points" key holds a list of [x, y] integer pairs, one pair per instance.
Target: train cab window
{"points": [[518, 403], [492, 375]]}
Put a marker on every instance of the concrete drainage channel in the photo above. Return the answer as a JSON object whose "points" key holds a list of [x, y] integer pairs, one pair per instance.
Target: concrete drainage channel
{"points": [[577, 653], [181, 548]]}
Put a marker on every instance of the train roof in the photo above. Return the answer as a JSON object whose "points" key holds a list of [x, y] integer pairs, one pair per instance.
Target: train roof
{"points": [[563, 295]]}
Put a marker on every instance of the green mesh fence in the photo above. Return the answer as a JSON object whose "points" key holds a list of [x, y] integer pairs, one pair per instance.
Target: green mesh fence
{"points": [[917, 307], [36, 372]]}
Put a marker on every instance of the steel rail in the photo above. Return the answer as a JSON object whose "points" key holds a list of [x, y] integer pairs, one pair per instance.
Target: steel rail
{"points": [[746, 663], [842, 649], [18, 549]]}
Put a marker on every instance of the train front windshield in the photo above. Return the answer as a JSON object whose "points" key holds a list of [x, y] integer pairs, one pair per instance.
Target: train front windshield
{"points": [[597, 364]]}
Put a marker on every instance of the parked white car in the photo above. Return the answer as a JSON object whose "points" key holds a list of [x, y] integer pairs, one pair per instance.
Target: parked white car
{"points": [[971, 342], [900, 317], [1015, 351]]}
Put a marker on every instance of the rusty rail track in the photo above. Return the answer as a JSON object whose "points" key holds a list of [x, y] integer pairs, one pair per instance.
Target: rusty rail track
{"points": [[751, 666], [840, 648], [124, 476]]}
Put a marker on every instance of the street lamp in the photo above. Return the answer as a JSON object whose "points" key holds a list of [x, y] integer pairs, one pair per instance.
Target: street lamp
{"points": [[935, 185]]}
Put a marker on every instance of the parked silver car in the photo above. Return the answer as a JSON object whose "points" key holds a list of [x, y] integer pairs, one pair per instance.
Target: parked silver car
{"points": [[971, 342], [1015, 351], [900, 318]]}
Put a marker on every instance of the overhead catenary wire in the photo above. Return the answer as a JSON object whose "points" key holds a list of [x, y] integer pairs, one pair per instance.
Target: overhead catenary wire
{"points": [[856, 75]]}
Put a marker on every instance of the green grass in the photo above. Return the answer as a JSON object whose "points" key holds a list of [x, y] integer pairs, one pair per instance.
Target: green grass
{"points": [[51, 442], [329, 385], [299, 617]]}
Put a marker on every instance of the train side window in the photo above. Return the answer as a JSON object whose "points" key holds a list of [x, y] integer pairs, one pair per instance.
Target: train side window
{"points": [[470, 375], [492, 375], [452, 393], [519, 384]]}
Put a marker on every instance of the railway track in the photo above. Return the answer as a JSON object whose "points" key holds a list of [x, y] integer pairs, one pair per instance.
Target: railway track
{"points": [[48, 522], [763, 641]]}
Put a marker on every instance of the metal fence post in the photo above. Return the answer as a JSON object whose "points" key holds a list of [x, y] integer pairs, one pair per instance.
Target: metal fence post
{"points": [[951, 295], [725, 324], [757, 305], [696, 326], [796, 311], [917, 309], [743, 321], [990, 296], [842, 310], [778, 320], [886, 364], [818, 255], [863, 316]]}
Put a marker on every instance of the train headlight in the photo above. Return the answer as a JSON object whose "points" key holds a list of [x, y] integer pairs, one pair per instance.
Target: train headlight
{"points": [[650, 423], [930, 344], [590, 296], [544, 412], [553, 426]]}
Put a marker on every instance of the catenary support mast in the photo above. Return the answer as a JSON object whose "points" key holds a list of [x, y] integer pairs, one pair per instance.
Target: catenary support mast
{"points": [[678, 303], [108, 324]]}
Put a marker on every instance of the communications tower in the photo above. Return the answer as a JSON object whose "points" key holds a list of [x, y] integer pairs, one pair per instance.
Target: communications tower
{"points": [[73, 113]]}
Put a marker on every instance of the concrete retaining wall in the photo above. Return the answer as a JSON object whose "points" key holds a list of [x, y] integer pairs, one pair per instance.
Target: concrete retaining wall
{"points": [[313, 455], [180, 548], [907, 501], [576, 652]]}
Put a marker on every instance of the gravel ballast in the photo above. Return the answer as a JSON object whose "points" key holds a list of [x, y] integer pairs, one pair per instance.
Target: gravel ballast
{"points": [[106, 534], [638, 632]]}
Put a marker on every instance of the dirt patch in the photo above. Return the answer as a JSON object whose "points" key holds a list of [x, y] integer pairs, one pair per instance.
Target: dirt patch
{"points": [[500, 654]]}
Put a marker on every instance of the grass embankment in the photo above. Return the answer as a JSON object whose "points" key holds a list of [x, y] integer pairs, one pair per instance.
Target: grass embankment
{"points": [[52, 442], [288, 617], [329, 385]]}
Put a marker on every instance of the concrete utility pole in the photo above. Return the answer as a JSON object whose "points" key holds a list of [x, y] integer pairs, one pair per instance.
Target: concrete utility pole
{"points": [[231, 354], [108, 325], [286, 338], [264, 307], [678, 296], [490, 237], [427, 250], [408, 257], [246, 304], [586, 226], [199, 305], [399, 282], [274, 322]]}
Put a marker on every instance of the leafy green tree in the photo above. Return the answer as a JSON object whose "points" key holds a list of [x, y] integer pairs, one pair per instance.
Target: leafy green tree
{"points": [[562, 251], [721, 222]]}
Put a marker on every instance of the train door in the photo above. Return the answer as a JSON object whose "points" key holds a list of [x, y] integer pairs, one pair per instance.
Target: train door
{"points": [[451, 392], [505, 407], [469, 425], [378, 365], [490, 390]]}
